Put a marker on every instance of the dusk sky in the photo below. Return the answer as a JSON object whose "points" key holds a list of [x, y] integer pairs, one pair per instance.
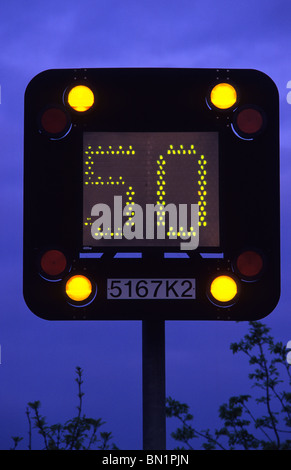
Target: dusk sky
{"points": [[38, 358]]}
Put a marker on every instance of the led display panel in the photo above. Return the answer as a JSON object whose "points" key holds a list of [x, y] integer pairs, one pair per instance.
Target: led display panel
{"points": [[130, 174]]}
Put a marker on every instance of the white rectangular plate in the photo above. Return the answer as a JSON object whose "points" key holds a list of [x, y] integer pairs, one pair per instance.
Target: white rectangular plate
{"points": [[171, 289]]}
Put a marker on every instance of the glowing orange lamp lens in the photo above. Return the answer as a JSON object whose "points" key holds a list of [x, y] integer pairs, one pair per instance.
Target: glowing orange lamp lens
{"points": [[223, 288], [78, 288], [223, 96], [81, 98]]}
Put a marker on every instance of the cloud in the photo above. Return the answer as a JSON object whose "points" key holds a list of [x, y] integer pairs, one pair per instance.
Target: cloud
{"points": [[132, 33]]}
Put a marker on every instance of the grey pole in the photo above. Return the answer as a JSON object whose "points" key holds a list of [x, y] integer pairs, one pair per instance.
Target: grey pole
{"points": [[154, 393]]}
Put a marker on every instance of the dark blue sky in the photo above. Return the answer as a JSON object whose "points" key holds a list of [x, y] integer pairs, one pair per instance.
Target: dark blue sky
{"points": [[38, 358]]}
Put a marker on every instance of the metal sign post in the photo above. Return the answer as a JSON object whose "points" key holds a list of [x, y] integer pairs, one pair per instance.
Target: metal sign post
{"points": [[153, 370]]}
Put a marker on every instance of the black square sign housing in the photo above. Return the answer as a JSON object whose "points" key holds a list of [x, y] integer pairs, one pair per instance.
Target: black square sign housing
{"points": [[151, 194]]}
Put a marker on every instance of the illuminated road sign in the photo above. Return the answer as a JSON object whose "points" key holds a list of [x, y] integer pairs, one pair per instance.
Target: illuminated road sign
{"points": [[151, 193]]}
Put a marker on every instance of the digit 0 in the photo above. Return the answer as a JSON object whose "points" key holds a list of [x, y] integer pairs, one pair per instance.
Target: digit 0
{"points": [[201, 191]]}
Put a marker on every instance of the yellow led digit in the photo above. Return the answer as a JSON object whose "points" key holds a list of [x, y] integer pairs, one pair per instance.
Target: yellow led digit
{"points": [[91, 179], [161, 190]]}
